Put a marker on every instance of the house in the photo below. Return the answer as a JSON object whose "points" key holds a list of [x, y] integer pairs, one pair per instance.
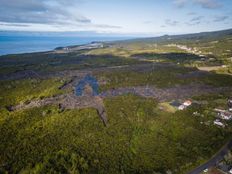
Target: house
{"points": [[226, 115], [182, 107], [223, 114], [218, 123], [229, 103], [226, 168], [187, 103]]}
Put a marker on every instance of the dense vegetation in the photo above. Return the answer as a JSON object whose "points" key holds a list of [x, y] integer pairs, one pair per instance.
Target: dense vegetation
{"points": [[142, 136], [169, 57], [139, 139], [55, 62], [16, 91], [164, 76]]}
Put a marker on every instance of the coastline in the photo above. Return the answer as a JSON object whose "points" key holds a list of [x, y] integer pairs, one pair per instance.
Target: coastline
{"points": [[12, 46]]}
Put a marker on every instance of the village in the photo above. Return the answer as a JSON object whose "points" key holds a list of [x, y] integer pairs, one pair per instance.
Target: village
{"points": [[188, 49], [92, 45], [222, 115]]}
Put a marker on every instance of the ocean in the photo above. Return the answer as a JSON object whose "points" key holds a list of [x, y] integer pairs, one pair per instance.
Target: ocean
{"points": [[28, 44]]}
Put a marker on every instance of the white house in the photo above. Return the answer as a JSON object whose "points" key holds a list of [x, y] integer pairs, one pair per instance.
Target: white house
{"points": [[218, 123], [226, 116], [185, 104], [181, 107], [223, 114], [230, 103]]}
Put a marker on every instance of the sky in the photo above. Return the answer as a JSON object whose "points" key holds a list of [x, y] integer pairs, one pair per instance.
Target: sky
{"points": [[116, 17]]}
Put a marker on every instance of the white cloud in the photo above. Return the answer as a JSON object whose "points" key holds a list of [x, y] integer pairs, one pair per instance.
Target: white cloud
{"points": [[220, 18], [180, 3], [170, 22], [209, 4], [51, 14]]}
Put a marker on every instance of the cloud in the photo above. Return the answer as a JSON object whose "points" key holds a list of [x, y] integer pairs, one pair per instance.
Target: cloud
{"points": [[198, 18], [147, 22], [107, 26], [220, 18], [40, 12], [195, 21], [208, 4], [58, 14], [13, 24], [180, 3], [191, 13], [170, 22]]}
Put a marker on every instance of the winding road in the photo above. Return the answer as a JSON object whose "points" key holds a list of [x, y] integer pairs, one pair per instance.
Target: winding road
{"points": [[214, 160]]}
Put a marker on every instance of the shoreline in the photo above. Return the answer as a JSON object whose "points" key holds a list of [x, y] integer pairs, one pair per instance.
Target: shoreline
{"points": [[39, 45], [43, 51]]}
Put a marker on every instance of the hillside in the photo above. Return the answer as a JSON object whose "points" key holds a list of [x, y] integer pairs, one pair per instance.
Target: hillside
{"points": [[135, 106]]}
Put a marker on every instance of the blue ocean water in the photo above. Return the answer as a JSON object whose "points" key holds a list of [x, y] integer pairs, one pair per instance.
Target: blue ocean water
{"points": [[28, 44]]}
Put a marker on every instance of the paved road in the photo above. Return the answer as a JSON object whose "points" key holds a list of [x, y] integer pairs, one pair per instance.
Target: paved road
{"points": [[214, 160]]}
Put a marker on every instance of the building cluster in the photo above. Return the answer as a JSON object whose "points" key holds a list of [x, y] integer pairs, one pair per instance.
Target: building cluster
{"points": [[92, 45], [223, 114], [188, 49]]}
